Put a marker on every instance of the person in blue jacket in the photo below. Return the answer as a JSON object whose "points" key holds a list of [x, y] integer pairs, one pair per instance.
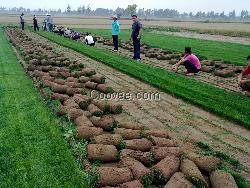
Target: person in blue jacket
{"points": [[115, 32]]}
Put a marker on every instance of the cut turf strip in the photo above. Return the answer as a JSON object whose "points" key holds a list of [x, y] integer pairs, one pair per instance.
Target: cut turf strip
{"points": [[33, 152], [227, 104]]}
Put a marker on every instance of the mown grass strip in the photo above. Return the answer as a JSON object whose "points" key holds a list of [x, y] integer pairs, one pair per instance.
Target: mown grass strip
{"points": [[229, 52], [228, 104], [33, 152]]}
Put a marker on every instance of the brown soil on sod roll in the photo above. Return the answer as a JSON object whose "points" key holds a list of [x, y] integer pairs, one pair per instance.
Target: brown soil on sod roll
{"points": [[88, 72], [91, 85], [178, 180], [115, 107], [139, 144], [70, 103], [94, 110], [192, 172], [83, 121], [62, 89], [74, 84], [160, 153], [208, 63], [108, 139], [205, 163], [71, 79], [245, 85], [144, 157], [128, 134], [157, 133], [82, 100], [225, 73], [60, 97], [53, 73], [46, 68], [133, 126], [104, 106], [87, 114], [207, 68], [74, 113], [84, 79], [221, 179], [106, 122], [132, 184], [49, 78], [98, 79], [31, 67], [84, 132], [168, 166], [104, 88], [105, 153], [137, 168], [109, 176], [60, 81], [65, 74], [72, 91], [163, 142]]}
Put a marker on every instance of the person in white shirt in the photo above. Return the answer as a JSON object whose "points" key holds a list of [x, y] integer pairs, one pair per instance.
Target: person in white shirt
{"points": [[89, 40]]}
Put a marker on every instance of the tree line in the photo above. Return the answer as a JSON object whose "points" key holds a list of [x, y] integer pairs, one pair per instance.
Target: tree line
{"points": [[130, 10]]}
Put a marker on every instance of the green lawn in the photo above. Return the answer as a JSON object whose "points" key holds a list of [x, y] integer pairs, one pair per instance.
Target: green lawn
{"points": [[229, 52], [227, 104], [33, 152]]}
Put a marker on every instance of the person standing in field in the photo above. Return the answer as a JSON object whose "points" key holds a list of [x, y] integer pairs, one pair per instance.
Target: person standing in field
{"points": [[190, 61], [35, 23], [136, 37], [50, 23], [244, 77], [22, 21], [115, 32]]}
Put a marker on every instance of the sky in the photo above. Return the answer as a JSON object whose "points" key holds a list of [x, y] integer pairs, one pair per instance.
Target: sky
{"points": [[180, 5]]}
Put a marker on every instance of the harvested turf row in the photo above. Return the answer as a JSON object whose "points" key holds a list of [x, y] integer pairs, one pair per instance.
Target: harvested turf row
{"points": [[90, 127]]}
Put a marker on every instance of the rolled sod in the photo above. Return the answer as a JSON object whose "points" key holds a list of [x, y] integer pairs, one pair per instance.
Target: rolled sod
{"points": [[105, 153]]}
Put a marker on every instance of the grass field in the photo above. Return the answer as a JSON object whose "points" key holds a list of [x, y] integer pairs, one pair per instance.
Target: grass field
{"points": [[219, 101], [231, 53], [33, 152]]}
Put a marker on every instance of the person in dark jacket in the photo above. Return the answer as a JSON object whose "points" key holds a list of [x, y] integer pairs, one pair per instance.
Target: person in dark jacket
{"points": [[136, 37], [35, 24], [22, 21]]}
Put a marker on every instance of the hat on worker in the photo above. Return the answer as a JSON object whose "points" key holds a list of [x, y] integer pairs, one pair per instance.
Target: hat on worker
{"points": [[114, 16]]}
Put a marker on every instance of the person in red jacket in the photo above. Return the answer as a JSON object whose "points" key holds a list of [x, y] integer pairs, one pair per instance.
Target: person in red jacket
{"points": [[244, 77]]}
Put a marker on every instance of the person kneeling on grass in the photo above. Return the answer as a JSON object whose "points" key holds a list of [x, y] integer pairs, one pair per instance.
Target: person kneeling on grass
{"points": [[244, 77], [89, 40], [190, 61]]}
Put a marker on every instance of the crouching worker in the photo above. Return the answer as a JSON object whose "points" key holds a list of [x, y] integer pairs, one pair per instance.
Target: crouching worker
{"points": [[190, 61], [89, 40], [244, 77]]}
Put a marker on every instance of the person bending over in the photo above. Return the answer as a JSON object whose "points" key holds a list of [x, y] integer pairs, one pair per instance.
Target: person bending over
{"points": [[89, 40], [244, 77], [190, 61]]}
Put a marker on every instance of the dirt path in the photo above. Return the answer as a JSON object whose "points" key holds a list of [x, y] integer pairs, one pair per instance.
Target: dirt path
{"points": [[187, 122], [221, 38]]}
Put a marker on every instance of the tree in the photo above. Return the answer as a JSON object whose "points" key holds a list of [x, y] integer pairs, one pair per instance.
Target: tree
{"points": [[119, 12], [232, 14], [68, 9], [244, 14], [131, 9]]}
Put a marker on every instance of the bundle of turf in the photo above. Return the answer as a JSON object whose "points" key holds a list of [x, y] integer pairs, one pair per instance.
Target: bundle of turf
{"points": [[53, 73], [98, 79], [137, 168], [222, 179], [160, 153], [94, 110], [71, 79], [163, 142], [208, 63], [133, 126], [105, 153], [157, 133], [46, 68], [64, 74], [83, 121], [108, 139], [60, 97], [60, 81], [192, 173], [88, 72], [111, 176], [57, 88], [70, 103], [104, 106], [144, 157], [74, 113], [207, 69], [91, 85], [179, 180], [72, 91], [31, 67], [225, 73], [168, 167], [105, 122], [48, 78], [40, 74], [84, 79], [116, 108], [74, 84], [132, 184], [129, 134], [104, 88], [82, 100], [84, 132], [139, 144]]}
